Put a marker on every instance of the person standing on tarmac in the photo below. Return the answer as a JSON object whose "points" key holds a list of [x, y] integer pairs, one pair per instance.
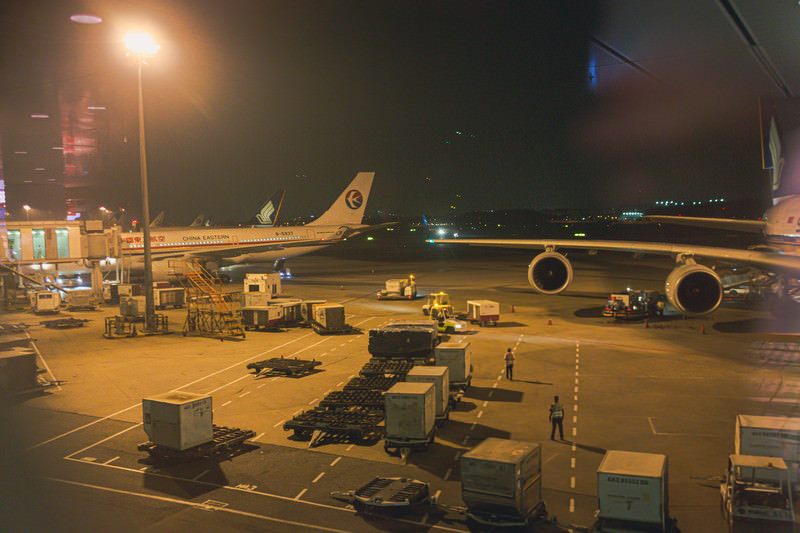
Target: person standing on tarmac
{"points": [[509, 358], [556, 419]]}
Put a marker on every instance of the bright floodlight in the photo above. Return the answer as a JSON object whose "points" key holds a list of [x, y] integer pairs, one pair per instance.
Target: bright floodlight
{"points": [[85, 18], [141, 44], [26, 207]]}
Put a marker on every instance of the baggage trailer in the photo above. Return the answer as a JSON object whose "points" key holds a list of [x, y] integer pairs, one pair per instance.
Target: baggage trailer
{"points": [[292, 367], [225, 440], [354, 423], [483, 311], [410, 418], [456, 356], [770, 436], [387, 493], [501, 482], [757, 495], [262, 317], [329, 319], [632, 492], [399, 289]]}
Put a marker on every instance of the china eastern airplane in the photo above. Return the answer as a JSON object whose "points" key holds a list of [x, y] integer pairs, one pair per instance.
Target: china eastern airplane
{"points": [[217, 246], [692, 288]]}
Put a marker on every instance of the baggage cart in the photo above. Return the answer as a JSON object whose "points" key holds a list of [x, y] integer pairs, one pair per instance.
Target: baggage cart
{"points": [[483, 312], [292, 367], [410, 418], [225, 440]]}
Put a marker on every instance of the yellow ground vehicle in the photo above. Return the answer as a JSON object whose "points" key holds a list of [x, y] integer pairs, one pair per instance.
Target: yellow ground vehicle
{"points": [[437, 300], [446, 321]]}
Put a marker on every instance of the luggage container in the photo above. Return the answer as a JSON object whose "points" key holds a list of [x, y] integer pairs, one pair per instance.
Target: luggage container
{"points": [[501, 482], [439, 376], [263, 316], [255, 299], [307, 309], [45, 302], [632, 492], [410, 417], [329, 318], [291, 309], [174, 297], [132, 306], [178, 420], [456, 357], [770, 436], [80, 299], [403, 340], [264, 283], [483, 311], [399, 289]]}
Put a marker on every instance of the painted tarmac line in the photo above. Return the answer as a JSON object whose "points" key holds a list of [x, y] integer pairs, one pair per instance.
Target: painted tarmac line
{"points": [[226, 403], [572, 505], [278, 424], [244, 394], [336, 461], [155, 472], [139, 405], [480, 414], [315, 400], [102, 441], [111, 460], [202, 506], [260, 435], [300, 494], [653, 429], [572, 482], [201, 474], [318, 477], [349, 448]]}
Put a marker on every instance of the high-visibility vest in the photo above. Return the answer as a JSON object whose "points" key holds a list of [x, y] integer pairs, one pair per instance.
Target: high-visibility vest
{"points": [[509, 358], [557, 410]]}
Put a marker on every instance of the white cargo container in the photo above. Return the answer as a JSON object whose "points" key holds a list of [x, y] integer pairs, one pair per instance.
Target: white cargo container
{"points": [[483, 311], [770, 436], [632, 491], [456, 357], [178, 420], [258, 316], [410, 414], [45, 302], [440, 377], [291, 309], [501, 481], [330, 316], [307, 308], [264, 283], [255, 299], [80, 299], [174, 297]]}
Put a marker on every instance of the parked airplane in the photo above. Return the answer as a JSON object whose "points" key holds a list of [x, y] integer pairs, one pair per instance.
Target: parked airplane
{"points": [[265, 216], [230, 246], [692, 288]]}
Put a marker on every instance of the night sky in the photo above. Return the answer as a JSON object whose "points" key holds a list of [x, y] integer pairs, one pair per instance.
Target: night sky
{"points": [[476, 105]]}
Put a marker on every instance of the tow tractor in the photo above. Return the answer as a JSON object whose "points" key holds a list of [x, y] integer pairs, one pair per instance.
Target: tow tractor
{"points": [[445, 319], [399, 289], [436, 300]]}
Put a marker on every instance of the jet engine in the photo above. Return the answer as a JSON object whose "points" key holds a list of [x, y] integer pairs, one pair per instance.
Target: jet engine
{"points": [[550, 272], [694, 289]]}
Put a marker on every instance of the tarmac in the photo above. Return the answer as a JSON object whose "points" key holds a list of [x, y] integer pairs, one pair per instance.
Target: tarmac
{"points": [[672, 386]]}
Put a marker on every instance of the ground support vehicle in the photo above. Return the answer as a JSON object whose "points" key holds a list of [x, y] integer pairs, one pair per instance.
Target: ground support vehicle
{"points": [[226, 440], [756, 495], [483, 312], [80, 299], [292, 367], [436, 300], [354, 424], [770, 436], [446, 322], [174, 297], [125, 326], [634, 305], [399, 289], [501, 482], [387, 493], [45, 302]]}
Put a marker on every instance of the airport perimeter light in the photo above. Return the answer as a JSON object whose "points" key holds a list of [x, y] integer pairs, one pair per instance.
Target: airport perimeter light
{"points": [[141, 46], [27, 209]]}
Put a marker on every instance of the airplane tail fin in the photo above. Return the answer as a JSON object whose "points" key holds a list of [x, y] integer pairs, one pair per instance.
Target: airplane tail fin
{"points": [[198, 221], [268, 213], [349, 207], [158, 221]]}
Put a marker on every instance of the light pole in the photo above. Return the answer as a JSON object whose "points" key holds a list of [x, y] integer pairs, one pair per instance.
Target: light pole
{"points": [[27, 209], [141, 46]]}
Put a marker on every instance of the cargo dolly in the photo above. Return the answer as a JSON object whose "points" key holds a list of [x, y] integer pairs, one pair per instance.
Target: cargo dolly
{"points": [[403, 446], [226, 440], [355, 423], [399, 367], [380, 383], [283, 365], [369, 399], [389, 493], [345, 330]]}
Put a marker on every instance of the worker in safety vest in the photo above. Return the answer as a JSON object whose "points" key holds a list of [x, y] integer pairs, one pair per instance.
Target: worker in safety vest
{"points": [[556, 419], [509, 358]]}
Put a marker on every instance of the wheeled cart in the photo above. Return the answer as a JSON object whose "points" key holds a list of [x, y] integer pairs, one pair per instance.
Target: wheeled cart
{"points": [[389, 493], [225, 440]]}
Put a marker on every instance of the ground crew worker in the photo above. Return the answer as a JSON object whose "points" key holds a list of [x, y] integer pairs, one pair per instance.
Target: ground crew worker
{"points": [[509, 358], [660, 307], [556, 419]]}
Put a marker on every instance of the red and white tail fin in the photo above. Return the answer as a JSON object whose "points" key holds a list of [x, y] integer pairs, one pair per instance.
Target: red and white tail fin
{"points": [[349, 208]]}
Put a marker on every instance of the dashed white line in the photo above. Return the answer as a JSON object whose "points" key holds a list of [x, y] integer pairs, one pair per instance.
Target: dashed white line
{"points": [[315, 400], [472, 427], [572, 482], [336, 461], [318, 477], [574, 419], [278, 424], [572, 462], [111, 460], [480, 414], [349, 448], [572, 505], [485, 403], [244, 394], [201, 474], [226, 403], [574, 432], [300, 495], [465, 440], [261, 435]]}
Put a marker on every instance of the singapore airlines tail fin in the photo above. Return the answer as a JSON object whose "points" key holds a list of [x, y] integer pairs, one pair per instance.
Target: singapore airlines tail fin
{"points": [[349, 207], [269, 211]]}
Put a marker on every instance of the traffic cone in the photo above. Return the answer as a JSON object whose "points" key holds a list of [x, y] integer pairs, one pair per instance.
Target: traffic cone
{"points": [[702, 329], [549, 322], [646, 323], [512, 308]]}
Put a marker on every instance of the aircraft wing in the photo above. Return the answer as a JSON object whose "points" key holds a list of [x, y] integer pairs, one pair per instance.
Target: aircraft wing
{"points": [[748, 226], [770, 261]]}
